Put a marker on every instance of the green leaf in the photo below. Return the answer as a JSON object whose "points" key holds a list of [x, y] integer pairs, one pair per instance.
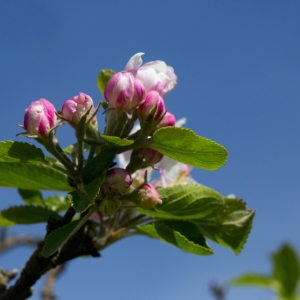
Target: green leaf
{"points": [[83, 198], [116, 141], [21, 152], [94, 143], [97, 167], [103, 78], [60, 236], [230, 226], [5, 222], [181, 234], [31, 197], [32, 177], [286, 270], [190, 201], [255, 280], [57, 203], [26, 215], [185, 146]]}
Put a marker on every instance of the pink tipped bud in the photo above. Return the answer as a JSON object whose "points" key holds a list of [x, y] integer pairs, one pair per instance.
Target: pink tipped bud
{"points": [[148, 196], [153, 107], [118, 180], [40, 118], [168, 120], [148, 156], [74, 108], [124, 92]]}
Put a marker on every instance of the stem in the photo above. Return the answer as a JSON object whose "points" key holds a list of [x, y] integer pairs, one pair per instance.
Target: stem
{"points": [[80, 153], [53, 147], [129, 125], [91, 153], [67, 218]]}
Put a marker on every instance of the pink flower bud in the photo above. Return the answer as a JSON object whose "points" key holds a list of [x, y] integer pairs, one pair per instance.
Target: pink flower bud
{"points": [[155, 75], [118, 180], [149, 156], [124, 92], [74, 108], [40, 118], [153, 107], [148, 196], [168, 120]]}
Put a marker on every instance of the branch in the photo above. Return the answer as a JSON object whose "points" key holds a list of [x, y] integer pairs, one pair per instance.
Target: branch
{"points": [[37, 265]]}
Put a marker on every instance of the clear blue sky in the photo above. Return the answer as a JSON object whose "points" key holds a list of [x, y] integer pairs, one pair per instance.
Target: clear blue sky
{"points": [[238, 72]]}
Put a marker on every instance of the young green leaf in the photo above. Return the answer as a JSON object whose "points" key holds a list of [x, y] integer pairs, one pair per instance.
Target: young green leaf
{"points": [[255, 280], [190, 201], [26, 215], [286, 270], [32, 176], [230, 226], [57, 203], [116, 141], [21, 152], [97, 167], [181, 234], [59, 236], [109, 140], [83, 198], [31, 197], [103, 78], [185, 146]]}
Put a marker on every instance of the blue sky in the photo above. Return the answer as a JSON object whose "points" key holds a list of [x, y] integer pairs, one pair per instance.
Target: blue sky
{"points": [[238, 72]]}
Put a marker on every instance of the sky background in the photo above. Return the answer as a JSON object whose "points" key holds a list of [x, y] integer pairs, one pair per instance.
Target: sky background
{"points": [[238, 72]]}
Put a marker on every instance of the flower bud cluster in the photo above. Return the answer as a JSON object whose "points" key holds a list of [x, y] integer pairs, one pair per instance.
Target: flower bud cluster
{"points": [[137, 92], [142, 88]]}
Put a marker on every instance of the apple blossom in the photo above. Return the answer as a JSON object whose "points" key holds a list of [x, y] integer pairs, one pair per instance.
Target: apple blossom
{"points": [[152, 109], [124, 92], [40, 118], [74, 108], [155, 75]]}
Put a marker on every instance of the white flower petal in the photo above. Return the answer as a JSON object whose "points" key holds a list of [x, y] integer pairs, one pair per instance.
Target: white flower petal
{"points": [[135, 61]]}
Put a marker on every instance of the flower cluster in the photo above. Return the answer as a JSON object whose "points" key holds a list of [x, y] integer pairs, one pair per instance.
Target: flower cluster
{"points": [[136, 93], [142, 88]]}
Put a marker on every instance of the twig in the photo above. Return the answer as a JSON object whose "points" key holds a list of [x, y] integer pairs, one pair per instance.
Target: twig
{"points": [[218, 291], [53, 274], [14, 241], [6, 277]]}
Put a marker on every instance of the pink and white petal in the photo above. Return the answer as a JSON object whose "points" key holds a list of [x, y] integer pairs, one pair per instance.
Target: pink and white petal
{"points": [[124, 159], [180, 122], [134, 62]]}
